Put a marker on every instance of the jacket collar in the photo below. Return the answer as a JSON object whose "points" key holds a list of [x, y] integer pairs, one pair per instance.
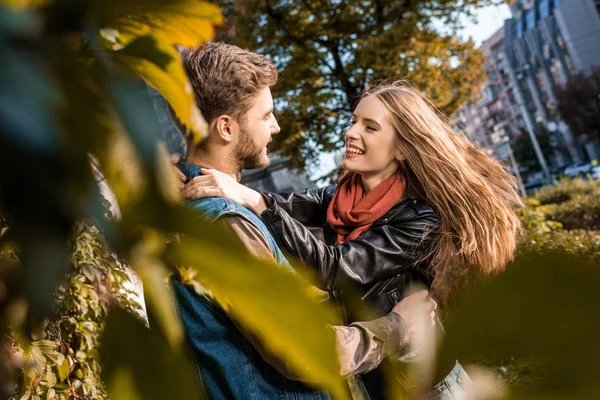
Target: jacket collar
{"points": [[189, 170]]}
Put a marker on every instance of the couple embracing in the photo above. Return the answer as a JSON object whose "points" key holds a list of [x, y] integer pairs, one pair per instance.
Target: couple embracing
{"points": [[414, 194]]}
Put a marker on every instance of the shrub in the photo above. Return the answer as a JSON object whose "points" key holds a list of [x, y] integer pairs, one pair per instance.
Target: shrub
{"points": [[579, 242], [565, 190], [66, 355], [536, 218], [582, 212]]}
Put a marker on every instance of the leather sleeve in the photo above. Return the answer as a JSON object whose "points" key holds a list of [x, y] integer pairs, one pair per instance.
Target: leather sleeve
{"points": [[379, 253], [309, 207]]}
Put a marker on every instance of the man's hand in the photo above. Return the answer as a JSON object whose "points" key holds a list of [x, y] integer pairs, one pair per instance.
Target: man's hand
{"points": [[181, 178], [418, 312]]}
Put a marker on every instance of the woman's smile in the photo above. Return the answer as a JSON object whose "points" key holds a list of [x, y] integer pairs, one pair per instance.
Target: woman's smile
{"points": [[353, 151]]}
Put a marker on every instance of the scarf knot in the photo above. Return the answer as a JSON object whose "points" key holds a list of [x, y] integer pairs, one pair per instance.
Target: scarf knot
{"points": [[350, 214]]}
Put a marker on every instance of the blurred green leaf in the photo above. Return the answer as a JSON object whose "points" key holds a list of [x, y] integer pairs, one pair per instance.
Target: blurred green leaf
{"points": [[158, 63], [139, 363], [272, 303], [543, 306]]}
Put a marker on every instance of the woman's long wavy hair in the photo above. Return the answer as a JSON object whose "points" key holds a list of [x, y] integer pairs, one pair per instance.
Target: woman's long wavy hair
{"points": [[473, 194]]}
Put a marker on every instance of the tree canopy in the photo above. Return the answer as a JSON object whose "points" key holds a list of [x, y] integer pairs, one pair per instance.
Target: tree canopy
{"points": [[578, 103], [328, 52]]}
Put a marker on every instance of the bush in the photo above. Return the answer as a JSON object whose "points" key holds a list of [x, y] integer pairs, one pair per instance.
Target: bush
{"points": [[536, 218], [66, 354], [579, 242], [566, 189], [582, 212]]}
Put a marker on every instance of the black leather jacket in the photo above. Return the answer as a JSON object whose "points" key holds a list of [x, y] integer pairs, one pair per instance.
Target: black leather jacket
{"points": [[382, 263]]}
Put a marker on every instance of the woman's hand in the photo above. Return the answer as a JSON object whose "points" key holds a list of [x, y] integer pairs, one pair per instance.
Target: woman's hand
{"points": [[181, 178], [418, 312], [213, 183]]}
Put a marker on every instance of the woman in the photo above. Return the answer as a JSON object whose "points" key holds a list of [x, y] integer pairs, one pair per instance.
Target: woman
{"points": [[415, 194]]}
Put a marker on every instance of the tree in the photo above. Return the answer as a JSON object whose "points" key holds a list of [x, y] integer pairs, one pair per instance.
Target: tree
{"points": [[328, 52], [578, 103], [523, 149]]}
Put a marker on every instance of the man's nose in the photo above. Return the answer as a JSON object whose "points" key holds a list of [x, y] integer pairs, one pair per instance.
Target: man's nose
{"points": [[275, 128]]}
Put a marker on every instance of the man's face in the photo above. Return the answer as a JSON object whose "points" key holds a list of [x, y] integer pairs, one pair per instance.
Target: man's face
{"points": [[256, 129]]}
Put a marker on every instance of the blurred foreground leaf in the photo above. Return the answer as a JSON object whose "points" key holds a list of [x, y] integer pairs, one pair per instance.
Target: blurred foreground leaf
{"points": [[270, 302], [139, 363], [544, 306], [144, 35]]}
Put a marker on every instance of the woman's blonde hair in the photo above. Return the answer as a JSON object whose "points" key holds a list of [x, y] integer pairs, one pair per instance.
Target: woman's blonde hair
{"points": [[473, 194]]}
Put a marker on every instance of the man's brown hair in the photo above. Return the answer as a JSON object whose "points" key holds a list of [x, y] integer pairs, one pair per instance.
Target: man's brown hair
{"points": [[225, 78]]}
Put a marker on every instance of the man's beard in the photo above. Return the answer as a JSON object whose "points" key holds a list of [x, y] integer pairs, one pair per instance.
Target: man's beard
{"points": [[247, 153]]}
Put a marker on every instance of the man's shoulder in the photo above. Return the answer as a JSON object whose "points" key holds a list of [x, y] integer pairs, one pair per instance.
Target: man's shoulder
{"points": [[216, 207]]}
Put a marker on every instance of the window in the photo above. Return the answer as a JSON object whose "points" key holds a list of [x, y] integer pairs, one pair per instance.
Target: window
{"points": [[546, 51], [530, 19], [518, 27], [544, 9]]}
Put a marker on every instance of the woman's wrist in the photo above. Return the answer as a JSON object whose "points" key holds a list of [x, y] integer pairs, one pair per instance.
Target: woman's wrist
{"points": [[255, 202]]}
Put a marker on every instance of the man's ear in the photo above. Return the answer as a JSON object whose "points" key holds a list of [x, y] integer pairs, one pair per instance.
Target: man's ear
{"points": [[223, 126]]}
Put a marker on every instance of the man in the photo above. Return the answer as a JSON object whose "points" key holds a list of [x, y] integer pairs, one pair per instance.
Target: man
{"points": [[232, 88]]}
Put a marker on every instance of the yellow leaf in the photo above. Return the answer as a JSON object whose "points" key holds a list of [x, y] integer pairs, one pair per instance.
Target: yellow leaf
{"points": [[158, 63], [121, 168], [63, 370], [186, 23], [21, 4], [273, 304]]}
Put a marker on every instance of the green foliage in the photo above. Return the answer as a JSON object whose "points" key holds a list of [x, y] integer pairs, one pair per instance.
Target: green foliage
{"points": [[535, 219], [544, 313], [130, 355], [579, 242], [582, 212], [65, 364], [329, 52], [566, 189]]}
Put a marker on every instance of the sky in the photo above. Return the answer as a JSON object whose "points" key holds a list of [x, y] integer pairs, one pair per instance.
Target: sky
{"points": [[486, 22]]}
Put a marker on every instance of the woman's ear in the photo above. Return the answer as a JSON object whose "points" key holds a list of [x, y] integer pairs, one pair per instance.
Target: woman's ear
{"points": [[399, 156]]}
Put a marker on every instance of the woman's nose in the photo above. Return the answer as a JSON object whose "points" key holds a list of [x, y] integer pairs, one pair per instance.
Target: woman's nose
{"points": [[352, 133]]}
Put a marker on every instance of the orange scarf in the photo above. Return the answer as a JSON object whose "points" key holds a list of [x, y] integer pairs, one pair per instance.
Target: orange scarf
{"points": [[349, 214]]}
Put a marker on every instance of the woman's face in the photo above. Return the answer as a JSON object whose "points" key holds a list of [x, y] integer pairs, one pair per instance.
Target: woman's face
{"points": [[370, 149]]}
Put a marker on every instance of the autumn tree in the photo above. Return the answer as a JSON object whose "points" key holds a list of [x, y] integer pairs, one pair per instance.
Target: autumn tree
{"points": [[578, 103], [328, 52]]}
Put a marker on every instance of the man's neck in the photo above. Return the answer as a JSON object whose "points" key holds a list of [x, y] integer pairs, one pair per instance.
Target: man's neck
{"points": [[220, 162]]}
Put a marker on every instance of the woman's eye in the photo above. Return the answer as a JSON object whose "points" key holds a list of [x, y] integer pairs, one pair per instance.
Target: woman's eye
{"points": [[352, 122], [371, 129]]}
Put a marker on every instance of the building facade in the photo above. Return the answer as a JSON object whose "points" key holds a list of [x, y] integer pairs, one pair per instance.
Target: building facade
{"points": [[495, 119], [545, 42]]}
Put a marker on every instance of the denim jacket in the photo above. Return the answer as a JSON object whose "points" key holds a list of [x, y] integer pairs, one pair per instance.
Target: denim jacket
{"points": [[228, 365]]}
